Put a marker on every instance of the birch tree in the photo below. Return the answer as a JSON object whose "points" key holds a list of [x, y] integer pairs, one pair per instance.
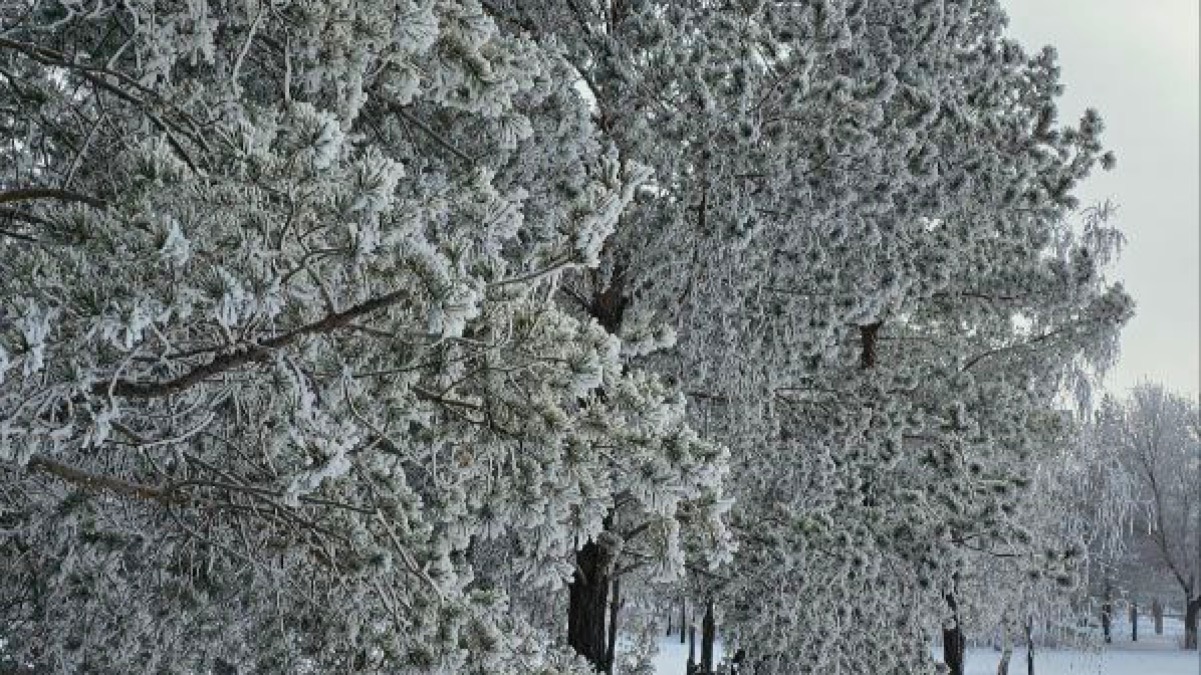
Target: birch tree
{"points": [[1154, 432]]}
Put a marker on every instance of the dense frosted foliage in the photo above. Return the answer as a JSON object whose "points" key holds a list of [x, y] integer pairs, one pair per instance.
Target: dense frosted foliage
{"points": [[277, 344], [861, 242], [343, 336]]}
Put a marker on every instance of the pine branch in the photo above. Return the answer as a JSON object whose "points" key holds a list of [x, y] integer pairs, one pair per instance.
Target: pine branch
{"points": [[36, 193], [255, 353]]}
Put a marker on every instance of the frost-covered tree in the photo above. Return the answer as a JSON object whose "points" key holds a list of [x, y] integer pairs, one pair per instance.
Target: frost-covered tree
{"points": [[323, 324], [857, 240], [1156, 434], [278, 349], [1064, 530]]}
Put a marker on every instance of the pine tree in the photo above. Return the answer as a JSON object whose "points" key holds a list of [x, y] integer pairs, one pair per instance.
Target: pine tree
{"points": [[277, 345], [858, 244]]}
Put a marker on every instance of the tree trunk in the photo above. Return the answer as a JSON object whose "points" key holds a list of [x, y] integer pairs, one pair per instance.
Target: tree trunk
{"points": [[737, 661], [954, 645], [1107, 615], [953, 648], [1191, 610], [1157, 615], [1006, 649], [588, 596], [692, 650], [614, 608], [1030, 645], [589, 588], [1134, 621], [867, 344], [1003, 665], [708, 637], [683, 620]]}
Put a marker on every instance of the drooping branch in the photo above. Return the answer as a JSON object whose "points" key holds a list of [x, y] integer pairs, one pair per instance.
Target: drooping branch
{"points": [[254, 353], [174, 492], [35, 193], [434, 135], [98, 483], [1027, 344], [99, 77]]}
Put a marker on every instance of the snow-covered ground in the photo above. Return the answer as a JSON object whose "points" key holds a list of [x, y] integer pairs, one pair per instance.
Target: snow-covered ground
{"points": [[672, 660], [1113, 661], [1151, 655]]}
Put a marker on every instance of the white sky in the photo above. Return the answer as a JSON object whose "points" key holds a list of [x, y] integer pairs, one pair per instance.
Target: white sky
{"points": [[1137, 62]]}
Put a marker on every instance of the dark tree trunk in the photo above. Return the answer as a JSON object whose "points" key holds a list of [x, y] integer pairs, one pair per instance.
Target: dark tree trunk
{"points": [[1191, 609], [1134, 622], [683, 620], [589, 593], [614, 608], [1157, 615], [609, 304], [589, 588], [867, 344], [737, 661], [954, 645], [1030, 645], [708, 637], [1107, 616]]}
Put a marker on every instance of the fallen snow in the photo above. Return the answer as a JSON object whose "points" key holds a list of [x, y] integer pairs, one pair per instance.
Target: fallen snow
{"points": [[672, 658], [1114, 661], [1151, 655]]}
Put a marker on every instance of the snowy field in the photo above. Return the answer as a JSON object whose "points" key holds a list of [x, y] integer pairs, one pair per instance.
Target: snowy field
{"points": [[1151, 655], [1114, 661], [673, 657]]}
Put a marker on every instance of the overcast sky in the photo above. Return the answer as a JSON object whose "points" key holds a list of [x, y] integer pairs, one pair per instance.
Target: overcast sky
{"points": [[1137, 62]]}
